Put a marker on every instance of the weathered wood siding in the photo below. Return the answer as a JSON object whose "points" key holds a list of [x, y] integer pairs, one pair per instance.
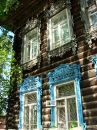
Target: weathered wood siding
{"points": [[82, 57]]}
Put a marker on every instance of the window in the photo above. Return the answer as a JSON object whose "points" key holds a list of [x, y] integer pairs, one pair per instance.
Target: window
{"points": [[30, 45], [64, 84], [30, 49], [30, 111], [61, 37], [30, 104], [66, 107], [92, 14], [89, 18], [59, 30]]}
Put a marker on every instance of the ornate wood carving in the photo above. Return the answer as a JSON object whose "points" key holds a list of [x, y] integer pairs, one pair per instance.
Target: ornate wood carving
{"points": [[64, 73], [89, 35], [94, 60], [55, 8], [30, 25], [31, 84]]}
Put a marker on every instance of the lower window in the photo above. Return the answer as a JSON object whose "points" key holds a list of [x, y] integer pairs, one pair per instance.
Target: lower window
{"points": [[66, 105], [30, 111]]}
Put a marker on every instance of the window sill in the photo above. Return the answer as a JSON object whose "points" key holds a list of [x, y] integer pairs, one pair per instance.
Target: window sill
{"points": [[60, 51], [28, 65]]}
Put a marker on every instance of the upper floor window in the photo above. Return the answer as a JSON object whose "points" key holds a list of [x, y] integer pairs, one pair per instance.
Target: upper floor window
{"points": [[89, 18], [30, 45], [92, 14], [59, 29], [61, 37], [30, 54]]}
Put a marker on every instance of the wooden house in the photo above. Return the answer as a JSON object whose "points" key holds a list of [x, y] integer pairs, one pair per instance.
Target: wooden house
{"points": [[56, 46]]}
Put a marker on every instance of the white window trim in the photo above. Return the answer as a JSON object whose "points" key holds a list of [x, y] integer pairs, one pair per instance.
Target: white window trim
{"points": [[29, 42], [67, 97], [56, 8], [34, 23], [59, 25], [89, 32], [27, 105]]}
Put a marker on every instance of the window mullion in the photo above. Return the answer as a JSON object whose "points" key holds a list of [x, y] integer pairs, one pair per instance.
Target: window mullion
{"points": [[60, 34], [29, 117], [30, 49], [66, 115]]}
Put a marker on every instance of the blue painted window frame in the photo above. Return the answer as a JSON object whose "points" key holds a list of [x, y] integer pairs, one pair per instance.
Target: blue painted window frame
{"points": [[61, 74], [31, 84]]}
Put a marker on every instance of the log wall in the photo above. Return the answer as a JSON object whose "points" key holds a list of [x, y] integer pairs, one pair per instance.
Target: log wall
{"points": [[82, 57]]}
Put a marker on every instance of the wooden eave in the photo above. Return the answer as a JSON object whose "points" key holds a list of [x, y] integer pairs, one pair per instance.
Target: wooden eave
{"points": [[26, 10]]}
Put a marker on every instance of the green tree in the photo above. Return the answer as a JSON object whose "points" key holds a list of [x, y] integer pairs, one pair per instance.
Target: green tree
{"points": [[7, 56]]}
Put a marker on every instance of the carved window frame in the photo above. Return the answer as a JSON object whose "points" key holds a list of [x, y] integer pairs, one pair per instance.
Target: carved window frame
{"points": [[55, 8], [31, 25], [31, 84], [94, 61], [89, 32], [62, 74]]}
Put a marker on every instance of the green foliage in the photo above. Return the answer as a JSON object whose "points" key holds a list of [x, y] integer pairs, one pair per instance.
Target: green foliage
{"points": [[11, 77], [6, 9], [6, 6], [73, 124]]}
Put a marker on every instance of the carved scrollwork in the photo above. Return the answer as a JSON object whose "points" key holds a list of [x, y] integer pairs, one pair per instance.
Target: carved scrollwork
{"points": [[94, 61], [30, 84], [64, 72], [89, 35], [30, 25], [72, 44]]}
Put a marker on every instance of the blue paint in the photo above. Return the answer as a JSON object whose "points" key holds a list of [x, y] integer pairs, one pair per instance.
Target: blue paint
{"points": [[31, 84], [94, 60], [64, 73]]}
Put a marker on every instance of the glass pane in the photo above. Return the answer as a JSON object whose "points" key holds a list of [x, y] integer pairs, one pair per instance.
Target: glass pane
{"points": [[65, 33], [61, 117], [65, 90], [30, 98], [60, 102], [61, 113], [26, 117], [34, 48], [56, 36], [33, 121], [93, 19], [28, 52], [71, 110], [59, 18]]}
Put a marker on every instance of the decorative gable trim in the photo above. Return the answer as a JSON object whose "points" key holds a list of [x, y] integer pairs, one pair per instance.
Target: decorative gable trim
{"points": [[31, 84]]}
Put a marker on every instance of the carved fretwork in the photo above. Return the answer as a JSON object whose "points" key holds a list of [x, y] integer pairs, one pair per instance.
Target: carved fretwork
{"points": [[94, 60], [61, 74], [30, 25], [31, 84], [89, 35], [54, 9]]}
